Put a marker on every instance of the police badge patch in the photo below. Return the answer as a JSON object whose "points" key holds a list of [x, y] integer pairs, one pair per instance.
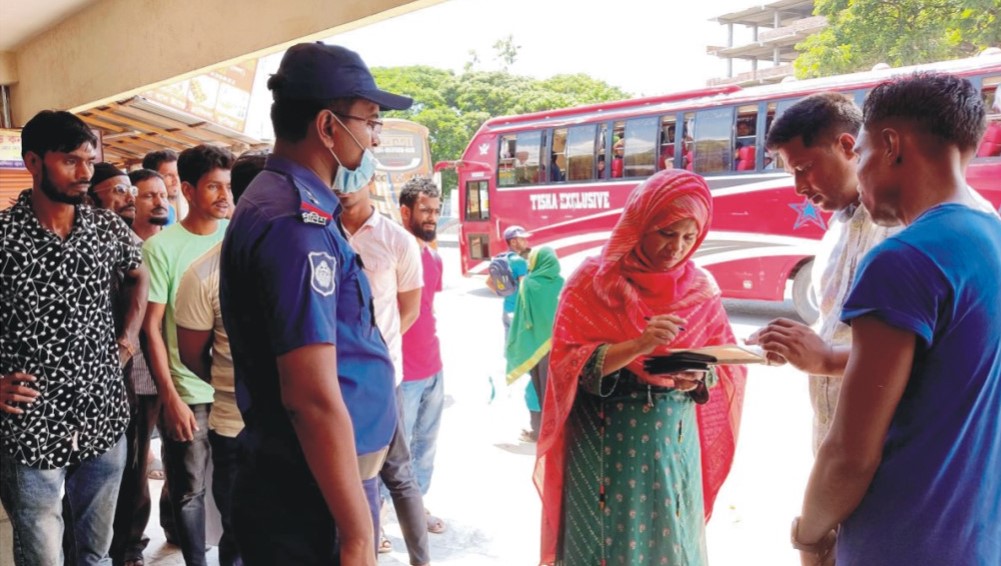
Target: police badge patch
{"points": [[323, 266]]}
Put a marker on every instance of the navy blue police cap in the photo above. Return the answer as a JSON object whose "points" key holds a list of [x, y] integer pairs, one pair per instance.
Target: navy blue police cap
{"points": [[317, 71]]}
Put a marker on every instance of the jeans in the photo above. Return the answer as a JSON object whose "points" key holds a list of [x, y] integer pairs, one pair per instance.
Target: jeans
{"points": [[185, 464], [423, 402], [132, 513], [34, 504], [397, 476], [223, 474]]}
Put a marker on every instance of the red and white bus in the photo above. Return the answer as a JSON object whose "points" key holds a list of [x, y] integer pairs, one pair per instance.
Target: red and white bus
{"points": [[565, 174]]}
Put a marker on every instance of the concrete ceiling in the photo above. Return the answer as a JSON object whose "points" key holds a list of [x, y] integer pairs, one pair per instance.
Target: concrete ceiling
{"points": [[23, 19]]}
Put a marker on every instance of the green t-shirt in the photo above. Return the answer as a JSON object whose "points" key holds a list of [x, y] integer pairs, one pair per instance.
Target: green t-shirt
{"points": [[167, 255]]}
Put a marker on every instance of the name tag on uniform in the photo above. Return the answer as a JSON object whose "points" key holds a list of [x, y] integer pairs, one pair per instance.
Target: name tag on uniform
{"points": [[310, 217], [311, 214]]}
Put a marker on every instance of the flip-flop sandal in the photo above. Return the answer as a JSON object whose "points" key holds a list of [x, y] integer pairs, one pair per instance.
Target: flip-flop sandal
{"points": [[435, 525], [385, 545]]}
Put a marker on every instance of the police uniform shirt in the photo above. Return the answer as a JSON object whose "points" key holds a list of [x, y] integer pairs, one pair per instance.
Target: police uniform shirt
{"points": [[289, 279]]}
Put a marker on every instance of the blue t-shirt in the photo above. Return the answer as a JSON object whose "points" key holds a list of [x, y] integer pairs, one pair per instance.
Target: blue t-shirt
{"points": [[936, 496], [288, 279], [519, 268]]}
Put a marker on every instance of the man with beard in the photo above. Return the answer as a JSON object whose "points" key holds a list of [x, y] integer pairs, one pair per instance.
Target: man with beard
{"points": [[423, 388], [314, 378], [152, 203], [153, 212], [112, 190], [164, 162], [186, 398], [133, 510], [63, 407]]}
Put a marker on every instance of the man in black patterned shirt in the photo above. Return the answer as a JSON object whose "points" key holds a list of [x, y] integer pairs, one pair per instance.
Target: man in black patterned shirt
{"points": [[63, 410]]}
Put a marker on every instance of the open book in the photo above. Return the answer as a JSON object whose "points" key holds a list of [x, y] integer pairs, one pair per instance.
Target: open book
{"points": [[699, 359]]}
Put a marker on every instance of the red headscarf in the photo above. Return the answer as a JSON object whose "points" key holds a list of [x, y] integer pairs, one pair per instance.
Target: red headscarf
{"points": [[606, 301]]}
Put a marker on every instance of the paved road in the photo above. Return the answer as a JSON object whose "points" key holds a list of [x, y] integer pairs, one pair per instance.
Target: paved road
{"points": [[482, 486]]}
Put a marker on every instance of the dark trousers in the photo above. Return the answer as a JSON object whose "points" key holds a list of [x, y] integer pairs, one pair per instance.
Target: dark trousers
{"points": [[132, 513], [397, 475], [224, 456], [539, 375], [186, 465], [280, 516]]}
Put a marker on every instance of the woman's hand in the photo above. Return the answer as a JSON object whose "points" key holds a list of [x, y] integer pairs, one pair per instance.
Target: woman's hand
{"points": [[684, 381], [660, 330]]}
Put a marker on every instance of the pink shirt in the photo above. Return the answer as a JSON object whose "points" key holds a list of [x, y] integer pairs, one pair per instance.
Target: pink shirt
{"points": [[421, 351]]}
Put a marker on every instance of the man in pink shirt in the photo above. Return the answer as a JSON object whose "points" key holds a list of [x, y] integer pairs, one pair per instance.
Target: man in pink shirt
{"points": [[423, 389]]}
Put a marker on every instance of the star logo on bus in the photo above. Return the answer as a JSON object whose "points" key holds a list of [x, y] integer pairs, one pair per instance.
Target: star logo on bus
{"points": [[806, 213]]}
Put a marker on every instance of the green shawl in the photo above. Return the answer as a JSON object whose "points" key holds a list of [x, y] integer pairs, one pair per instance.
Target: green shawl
{"points": [[531, 331]]}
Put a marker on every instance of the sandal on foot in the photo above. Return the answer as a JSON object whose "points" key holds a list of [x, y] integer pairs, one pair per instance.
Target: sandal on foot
{"points": [[528, 436], [435, 525], [385, 545]]}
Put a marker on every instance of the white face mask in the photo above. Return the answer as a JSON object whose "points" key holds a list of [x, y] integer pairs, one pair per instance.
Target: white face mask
{"points": [[347, 181]]}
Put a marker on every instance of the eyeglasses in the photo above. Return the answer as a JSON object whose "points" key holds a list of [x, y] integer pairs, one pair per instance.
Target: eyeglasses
{"points": [[121, 189], [374, 125]]}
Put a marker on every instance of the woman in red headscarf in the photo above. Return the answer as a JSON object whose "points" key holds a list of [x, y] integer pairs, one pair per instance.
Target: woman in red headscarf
{"points": [[628, 463]]}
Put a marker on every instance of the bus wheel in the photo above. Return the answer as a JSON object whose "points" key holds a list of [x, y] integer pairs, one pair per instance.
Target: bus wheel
{"points": [[802, 298]]}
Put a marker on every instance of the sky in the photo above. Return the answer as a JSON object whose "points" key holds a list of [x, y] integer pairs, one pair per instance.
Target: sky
{"points": [[645, 47]]}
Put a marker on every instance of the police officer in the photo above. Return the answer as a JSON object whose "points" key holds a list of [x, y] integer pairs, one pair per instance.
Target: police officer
{"points": [[314, 379]]}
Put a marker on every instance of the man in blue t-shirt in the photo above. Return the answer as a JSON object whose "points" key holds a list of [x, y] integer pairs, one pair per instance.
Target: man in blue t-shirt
{"points": [[314, 380], [909, 467]]}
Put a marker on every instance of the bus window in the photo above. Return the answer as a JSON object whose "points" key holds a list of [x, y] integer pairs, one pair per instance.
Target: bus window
{"points": [[668, 130], [745, 139], [477, 200], [558, 158], [642, 135], [506, 160], [713, 148], [600, 164], [519, 162], [992, 102], [687, 143], [775, 109], [479, 246], [990, 145], [580, 153], [618, 149]]}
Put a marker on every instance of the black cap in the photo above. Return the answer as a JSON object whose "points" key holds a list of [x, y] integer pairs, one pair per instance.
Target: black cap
{"points": [[317, 71], [103, 172]]}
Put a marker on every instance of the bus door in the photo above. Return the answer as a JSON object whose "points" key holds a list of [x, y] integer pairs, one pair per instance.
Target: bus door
{"points": [[475, 226]]}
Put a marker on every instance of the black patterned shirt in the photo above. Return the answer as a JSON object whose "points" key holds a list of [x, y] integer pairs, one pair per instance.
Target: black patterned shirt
{"points": [[56, 324]]}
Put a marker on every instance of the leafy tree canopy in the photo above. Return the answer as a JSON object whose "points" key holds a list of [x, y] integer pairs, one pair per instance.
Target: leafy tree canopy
{"points": [[453, 106], [861, 33]]}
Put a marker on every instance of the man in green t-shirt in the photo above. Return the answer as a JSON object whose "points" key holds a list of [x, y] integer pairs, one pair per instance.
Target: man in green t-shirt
{"points": [[205, 182]]}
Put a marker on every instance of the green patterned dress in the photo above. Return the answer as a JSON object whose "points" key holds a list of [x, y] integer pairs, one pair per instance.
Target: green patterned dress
{"points": [[633, 491]]}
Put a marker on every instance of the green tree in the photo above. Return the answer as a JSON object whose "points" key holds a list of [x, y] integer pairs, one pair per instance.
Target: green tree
{"points": [[507, 51], [861, 33], [453, 106]]}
